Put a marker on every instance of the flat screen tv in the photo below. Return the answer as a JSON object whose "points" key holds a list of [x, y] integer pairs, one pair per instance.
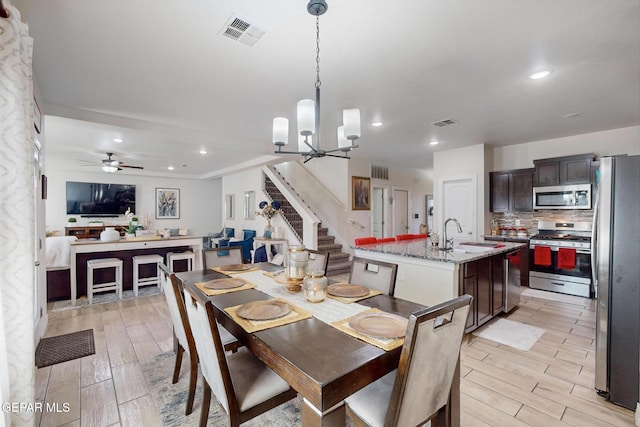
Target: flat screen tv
{"points": [[94, 199]]}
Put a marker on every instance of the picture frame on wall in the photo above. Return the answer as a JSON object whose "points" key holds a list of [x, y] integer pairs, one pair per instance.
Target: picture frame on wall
{"points": [[360, 193], [37, 116], [167, 203]]}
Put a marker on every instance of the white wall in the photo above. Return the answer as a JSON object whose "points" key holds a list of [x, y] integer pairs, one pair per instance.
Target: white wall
{"points": [[461, 163], [200, 201], [605, 143]]}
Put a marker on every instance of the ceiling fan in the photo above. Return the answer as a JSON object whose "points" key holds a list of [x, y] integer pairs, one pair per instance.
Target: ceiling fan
{"points": [[111, 165]]}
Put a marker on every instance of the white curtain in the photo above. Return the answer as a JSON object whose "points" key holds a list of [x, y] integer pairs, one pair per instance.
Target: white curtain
{"points": [[17, 218]]}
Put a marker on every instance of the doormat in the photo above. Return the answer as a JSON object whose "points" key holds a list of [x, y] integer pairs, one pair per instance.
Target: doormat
{"points": [[508, 332], [64, 348]]}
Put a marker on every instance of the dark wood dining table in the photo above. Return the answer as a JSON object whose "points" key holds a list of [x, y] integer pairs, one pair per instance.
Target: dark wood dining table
{"points": [[323, 364]]}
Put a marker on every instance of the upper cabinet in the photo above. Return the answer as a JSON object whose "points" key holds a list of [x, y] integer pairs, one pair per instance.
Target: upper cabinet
{"points": [[511, 191], [563, 170]]}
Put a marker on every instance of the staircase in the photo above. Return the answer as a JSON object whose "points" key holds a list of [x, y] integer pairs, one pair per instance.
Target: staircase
{"points": [[338, 261]]}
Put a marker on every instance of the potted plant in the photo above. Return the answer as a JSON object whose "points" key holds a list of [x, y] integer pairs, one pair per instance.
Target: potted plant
{"points": [[269, 210], [134, 220], [71, 222], [131, 230]]}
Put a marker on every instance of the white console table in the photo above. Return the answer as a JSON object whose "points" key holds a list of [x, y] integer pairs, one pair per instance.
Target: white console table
{"points": [[283, 243], [96, 246]]}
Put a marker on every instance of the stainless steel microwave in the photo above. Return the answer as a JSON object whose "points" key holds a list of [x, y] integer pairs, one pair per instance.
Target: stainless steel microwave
{"points": [[562, 197]]}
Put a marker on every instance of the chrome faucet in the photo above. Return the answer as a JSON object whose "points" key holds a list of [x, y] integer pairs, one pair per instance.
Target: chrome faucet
{"points": [[448, 243]]}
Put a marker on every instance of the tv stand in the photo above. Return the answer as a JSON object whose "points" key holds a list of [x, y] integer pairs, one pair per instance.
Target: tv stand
{"points": [[91, 231]]}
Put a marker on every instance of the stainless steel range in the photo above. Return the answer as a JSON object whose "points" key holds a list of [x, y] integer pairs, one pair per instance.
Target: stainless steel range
{"points": [[562, 260]]}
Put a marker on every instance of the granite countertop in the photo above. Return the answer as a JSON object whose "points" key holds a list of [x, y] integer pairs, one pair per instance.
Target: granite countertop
{"points": [[421, 248]]}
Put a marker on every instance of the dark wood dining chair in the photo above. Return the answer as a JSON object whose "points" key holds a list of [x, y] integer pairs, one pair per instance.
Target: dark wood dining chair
{"points": [[318, 260], [374, 274], [243, 385], [182, 330], [418, 391], [226, 255]]}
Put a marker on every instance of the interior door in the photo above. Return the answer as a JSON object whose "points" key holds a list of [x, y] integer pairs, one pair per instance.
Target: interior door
{"points": [[459, 202], [378, 214], [400, 212]]}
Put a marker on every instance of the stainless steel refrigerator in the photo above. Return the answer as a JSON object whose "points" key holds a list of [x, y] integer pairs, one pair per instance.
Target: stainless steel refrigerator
{"points": [[617, 280]]}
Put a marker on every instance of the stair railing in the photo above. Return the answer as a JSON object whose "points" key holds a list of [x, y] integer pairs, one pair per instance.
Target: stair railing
{"points": [[309, 220], [319, 199]]}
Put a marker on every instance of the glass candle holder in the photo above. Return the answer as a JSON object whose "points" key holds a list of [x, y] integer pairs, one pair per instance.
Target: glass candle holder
{"points": [[297, 262], [315, 286]]}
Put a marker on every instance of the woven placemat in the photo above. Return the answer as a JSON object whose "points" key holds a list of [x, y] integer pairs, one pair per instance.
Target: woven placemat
{"points": [[214, 292], [250, 326], [384, 343], [63, 348], [372, 293], [230, 273]]}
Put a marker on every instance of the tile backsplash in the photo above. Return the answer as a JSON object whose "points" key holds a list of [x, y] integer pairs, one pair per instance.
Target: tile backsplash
{"points": [[529, 220]]}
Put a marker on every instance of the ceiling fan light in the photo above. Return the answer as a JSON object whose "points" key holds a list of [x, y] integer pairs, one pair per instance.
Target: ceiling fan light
{"points": [[109, 168], [351, 122], [343, 143], [306, 117], [280, 131]]}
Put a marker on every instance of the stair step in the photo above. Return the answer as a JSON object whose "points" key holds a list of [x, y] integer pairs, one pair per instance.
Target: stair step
{"points": [[338, 257], [341, 268], [322, 231], [326, 240], [332, 248]]}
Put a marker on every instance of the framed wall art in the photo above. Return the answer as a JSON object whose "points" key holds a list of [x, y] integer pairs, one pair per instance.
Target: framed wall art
{"points": [[360, 193], [167, 203]]}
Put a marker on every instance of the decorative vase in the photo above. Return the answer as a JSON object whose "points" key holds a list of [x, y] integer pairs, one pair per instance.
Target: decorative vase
{"points": [[109, 235], [268, 230]]}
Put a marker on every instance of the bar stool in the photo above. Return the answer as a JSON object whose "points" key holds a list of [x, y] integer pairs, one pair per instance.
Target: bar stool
{"points": [[96, 264], [139, 260], [175, 256]]}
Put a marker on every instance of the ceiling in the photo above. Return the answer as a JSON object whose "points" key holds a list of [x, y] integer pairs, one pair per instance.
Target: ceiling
{"points": [[160, 75]]}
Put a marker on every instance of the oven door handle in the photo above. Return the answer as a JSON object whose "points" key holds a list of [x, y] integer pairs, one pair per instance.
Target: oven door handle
{"points": [[555, 249]]}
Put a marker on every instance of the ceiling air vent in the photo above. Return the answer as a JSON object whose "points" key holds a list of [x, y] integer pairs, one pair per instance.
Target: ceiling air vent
{"points": [[443, 123], [242, 31], [379, 172]]}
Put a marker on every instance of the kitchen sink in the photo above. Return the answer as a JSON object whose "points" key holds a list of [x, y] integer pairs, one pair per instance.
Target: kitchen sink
{"points": [[476, 246]]}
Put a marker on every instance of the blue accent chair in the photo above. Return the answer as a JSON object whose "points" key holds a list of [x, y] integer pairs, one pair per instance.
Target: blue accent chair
{"points": [[246, 244]]}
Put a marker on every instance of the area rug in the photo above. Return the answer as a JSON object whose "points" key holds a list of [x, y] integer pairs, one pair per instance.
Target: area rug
{"points": [[508, 332], [65, 347], [171, 399], [104, 298]]}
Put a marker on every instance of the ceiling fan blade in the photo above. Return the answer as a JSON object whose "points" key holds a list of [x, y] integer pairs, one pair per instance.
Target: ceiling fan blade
{"points": [[130, 167]]}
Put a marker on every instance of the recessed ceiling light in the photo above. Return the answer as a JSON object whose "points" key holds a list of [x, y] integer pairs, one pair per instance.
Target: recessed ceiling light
{"points": [[434, 143], [540, 75], [170, 168], [376, 124], [118, 140], [203, 151]]}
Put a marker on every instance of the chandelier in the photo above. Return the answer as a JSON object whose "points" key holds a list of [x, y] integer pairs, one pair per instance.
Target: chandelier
{"points": [[308, 115]]}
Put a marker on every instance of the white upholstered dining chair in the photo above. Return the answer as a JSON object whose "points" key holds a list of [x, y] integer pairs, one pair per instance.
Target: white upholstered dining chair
{"points": [[374, 274], [243, 385], [182, 331], [417, 391]]}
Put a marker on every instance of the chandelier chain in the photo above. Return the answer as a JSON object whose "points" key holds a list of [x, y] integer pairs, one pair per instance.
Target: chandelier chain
{"points": [[318, 83]]}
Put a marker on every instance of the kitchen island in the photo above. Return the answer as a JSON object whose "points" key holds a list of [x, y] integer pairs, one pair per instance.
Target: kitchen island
{"points": [[86, 249], [429, 276]]}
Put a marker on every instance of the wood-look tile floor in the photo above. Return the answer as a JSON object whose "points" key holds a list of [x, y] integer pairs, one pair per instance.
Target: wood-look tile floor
{"points": [[550, 385]]}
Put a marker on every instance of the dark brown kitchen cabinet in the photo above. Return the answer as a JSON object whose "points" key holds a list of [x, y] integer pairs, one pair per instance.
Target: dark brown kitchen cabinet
{"points": [[563, 170], [497, 281], [511, 191], [483, 279]]}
